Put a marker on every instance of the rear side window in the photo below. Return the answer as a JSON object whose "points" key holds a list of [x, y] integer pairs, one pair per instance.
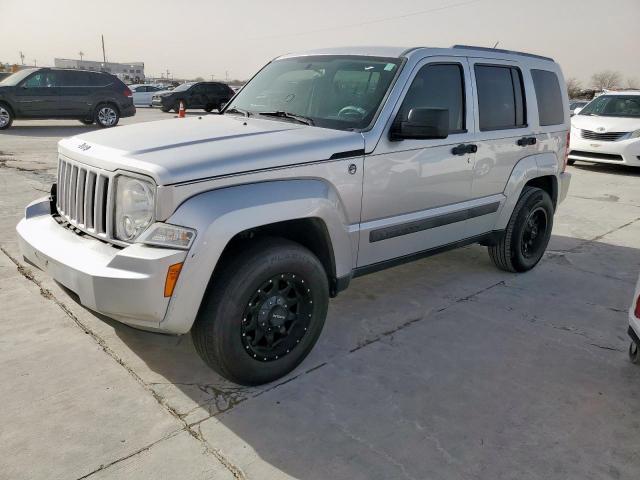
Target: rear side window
{"points": [[438, 86], [500, 97], [548, 96], [99, 80]]}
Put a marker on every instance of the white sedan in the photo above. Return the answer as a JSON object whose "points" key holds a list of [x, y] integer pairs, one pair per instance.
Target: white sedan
{"points": [[607, 130], [142, 94]]}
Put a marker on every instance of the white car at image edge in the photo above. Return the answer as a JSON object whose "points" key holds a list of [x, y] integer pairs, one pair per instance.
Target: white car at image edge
{"points": [[607, 130], [634, 326]]}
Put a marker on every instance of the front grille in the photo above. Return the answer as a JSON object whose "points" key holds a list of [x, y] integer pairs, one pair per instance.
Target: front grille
{"points": [[603, 137], [83, 197], [596, 155]]}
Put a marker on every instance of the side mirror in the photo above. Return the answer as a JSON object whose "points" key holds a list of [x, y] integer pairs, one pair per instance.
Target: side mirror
{"points": [[422, 124], [577, 110]]}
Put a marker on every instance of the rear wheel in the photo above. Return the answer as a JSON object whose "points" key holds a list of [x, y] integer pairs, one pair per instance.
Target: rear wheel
{"points": [[263, 312], [6, 116], [634, 353], [107, 115], [527, 234]]}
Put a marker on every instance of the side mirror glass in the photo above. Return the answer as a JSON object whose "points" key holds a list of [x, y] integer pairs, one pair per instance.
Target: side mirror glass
{"points": [[421, 124]]}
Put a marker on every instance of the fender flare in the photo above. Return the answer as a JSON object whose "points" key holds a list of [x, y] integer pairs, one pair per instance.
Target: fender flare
{"points": [[219, 215], [527, 169]]}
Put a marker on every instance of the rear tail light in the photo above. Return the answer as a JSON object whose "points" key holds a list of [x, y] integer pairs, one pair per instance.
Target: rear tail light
{"points": [[637, 310], [127, 92], [566, 151]]}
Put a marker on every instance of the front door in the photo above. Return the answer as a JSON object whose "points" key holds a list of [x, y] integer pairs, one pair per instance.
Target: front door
{"points": [[35, 97], [416, 193]]}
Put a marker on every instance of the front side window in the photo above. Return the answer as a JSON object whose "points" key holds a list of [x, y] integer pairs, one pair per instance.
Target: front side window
{"points": [[438, 86], [333, 91], [500, 97], [548, 97], [42, 79], [614, 106]]}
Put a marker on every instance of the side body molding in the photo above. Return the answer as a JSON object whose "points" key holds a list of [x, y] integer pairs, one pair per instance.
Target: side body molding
{"points": [[528, 168], [219, 215]]}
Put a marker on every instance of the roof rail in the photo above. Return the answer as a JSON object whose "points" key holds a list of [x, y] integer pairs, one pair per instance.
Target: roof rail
{"points": [[499, 50]]}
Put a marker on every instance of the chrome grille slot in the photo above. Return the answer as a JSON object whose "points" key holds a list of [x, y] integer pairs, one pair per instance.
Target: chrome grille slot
{"points": [[83, 197], [604, 137]]}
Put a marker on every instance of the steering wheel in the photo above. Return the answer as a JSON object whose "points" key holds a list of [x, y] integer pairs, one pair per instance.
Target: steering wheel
{"points": [[351, 112]]}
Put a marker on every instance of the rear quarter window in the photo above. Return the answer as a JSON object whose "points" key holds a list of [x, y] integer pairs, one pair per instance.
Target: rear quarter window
{"points": [[548, 97]]}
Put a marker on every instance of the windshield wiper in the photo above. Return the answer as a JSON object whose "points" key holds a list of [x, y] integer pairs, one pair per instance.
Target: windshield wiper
{"points": [[246, 113], [292, 116]]}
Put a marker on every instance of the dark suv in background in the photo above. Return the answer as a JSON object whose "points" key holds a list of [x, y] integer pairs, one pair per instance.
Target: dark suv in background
{"points": [[59, 93], [206, 95]]}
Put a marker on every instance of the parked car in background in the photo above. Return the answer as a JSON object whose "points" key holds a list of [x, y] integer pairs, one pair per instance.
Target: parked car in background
{"points": [[205, 95], [607, 130], [54, 93], [634, 326], [326, 166], [576, 105], [142, 94]]}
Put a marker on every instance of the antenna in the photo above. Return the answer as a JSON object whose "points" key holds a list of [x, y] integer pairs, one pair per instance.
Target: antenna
{"points": [[104, 55], [496, 44]]}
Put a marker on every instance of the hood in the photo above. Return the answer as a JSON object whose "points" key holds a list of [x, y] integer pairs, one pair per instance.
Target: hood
{"points": [[186, 149], [609, 124]]}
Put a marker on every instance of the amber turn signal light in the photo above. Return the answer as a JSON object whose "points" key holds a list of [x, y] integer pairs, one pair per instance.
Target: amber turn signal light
{"points": [[172, 278]]}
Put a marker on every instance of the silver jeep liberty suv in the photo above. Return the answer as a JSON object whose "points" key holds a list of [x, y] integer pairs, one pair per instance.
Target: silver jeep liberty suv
{"points": [[327, 165]]}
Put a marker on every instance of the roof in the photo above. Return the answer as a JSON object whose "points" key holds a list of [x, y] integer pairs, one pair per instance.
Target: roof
{"points": [[398, 52]]}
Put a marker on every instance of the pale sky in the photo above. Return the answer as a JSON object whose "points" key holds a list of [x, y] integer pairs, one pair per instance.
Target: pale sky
{"points": [[200, 38]]}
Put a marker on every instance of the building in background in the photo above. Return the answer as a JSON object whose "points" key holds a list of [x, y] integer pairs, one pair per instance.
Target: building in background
{"points": [[132, 72]]}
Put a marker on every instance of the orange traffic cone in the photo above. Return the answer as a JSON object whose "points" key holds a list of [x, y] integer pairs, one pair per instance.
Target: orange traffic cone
{"points": [[181, 110]]}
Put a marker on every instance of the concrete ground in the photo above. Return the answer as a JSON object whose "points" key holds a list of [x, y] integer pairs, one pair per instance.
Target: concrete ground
{"points": [[445, 368]]}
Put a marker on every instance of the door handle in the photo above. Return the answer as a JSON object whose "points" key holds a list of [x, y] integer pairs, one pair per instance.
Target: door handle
{"points": [[524, 141], [463, 149]]}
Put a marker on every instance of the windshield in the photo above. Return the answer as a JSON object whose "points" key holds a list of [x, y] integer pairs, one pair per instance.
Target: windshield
{"points": [[340, 92], [16, 78], [614, 106], [183, 87]]}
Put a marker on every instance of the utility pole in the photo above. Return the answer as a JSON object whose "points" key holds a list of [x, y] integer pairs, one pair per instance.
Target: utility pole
{"points": [[35, 62], [226, 75], [104, 55], [212, 77], [21, 57], [167, 74], [81, 53]]}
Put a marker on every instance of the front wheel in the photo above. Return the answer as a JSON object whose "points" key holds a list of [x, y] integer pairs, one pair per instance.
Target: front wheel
{"points": [[6, 117], [263, 313], [107, 115], [634, 353], [527, 234]]}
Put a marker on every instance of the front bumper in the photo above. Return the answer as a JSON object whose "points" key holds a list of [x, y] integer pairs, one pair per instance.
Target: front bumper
{"points": [[621, 152], [126, 284]]}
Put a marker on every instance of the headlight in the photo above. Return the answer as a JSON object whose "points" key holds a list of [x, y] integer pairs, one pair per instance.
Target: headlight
{"points": [[166, 235], [635, 134], [135, 206]]}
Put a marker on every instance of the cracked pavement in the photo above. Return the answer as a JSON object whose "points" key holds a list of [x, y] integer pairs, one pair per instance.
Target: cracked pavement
{"points": [[443, 368]]}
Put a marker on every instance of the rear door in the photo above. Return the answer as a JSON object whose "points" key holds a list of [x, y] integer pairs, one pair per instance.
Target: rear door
{"points": [[75, 92], [500, 112], [36, 96]]}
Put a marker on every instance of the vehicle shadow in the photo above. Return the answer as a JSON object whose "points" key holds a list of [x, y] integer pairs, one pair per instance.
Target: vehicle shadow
{"points": [[52, 131], [431, 370], [625, 170]]}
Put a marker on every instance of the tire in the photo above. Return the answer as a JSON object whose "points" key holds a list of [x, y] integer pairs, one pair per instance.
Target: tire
{"points": [[522, 246], [634, 353], [209, 108], [165, 109], [87, 122], [6, 116], [570, 162], [107, 115], [240, 299]]}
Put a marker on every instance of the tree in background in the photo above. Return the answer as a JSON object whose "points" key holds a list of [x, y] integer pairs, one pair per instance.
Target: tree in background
{"points": [[606, 79], [198, 79], [574, 87], [632, 82]]}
